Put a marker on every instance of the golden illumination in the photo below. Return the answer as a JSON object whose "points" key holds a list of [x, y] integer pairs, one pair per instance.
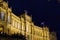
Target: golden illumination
{"points": [[22, 24]]}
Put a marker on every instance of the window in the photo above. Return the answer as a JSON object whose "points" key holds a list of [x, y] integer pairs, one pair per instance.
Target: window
{"points": [[16, 24], [34, 32], [9, 19], [2, 15], [13, 22], [27, 28], [23, 27], [19, 27]]}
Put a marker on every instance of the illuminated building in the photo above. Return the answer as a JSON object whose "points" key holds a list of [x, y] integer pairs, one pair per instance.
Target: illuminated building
{"points": [[12, 24], [53, 36]]}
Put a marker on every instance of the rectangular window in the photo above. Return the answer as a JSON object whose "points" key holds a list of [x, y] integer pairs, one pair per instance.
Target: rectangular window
{"points": [[8, 19], [13, 22], [26, 28], [34, 32], [19, 27], [16, 24], [22, 26], [2, 16]]}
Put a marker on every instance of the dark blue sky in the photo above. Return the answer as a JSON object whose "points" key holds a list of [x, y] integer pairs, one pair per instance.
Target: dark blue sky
{"points": [[49, 12]]}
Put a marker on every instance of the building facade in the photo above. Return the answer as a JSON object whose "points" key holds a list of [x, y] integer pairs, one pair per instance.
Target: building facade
{"points": [[12, 24], [53, 36]]}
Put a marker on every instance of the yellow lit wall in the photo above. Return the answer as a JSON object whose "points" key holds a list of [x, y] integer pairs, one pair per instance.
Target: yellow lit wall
{"points": [[12, 24]]}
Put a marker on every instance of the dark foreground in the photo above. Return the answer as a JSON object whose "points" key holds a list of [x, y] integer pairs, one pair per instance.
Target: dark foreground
{"points": [[12, 37]]}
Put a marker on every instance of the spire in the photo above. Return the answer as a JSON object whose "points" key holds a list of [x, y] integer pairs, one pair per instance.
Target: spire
{"points": [[1, 0], [25, 11], [42, 23]]}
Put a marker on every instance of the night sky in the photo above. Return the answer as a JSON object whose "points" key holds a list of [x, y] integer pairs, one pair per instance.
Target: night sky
{"points": [[41, 11]]}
